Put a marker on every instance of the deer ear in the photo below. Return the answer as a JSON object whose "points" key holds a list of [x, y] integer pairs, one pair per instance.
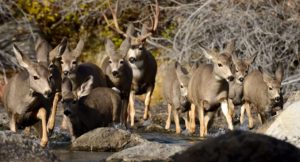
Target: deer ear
{"points": [[180, 70], [62, 46], [86, 87], [130, 30], [251, 59], [208, 53], [279, 72], [42, 49], [144, 29], [59, 50], [79, 48], [21, 58], [124, 47], [230, 47], [234, 58], [266, 77], [109, 47]]}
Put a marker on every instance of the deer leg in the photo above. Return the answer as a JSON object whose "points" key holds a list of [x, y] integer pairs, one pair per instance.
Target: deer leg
{"points": [[250, 118], [176, 120], [192, 119], [242, 114], [12, 123], [231, 108], [186, 122], [51, 121], [201, 119], [168, 122], [260, 118], [207, 118], [131, 108], [124, 111], [224, 107], [147, 103], [42, 116]]}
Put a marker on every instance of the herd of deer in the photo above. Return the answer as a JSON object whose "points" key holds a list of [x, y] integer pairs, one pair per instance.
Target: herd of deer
{"points": [[94, 97]]}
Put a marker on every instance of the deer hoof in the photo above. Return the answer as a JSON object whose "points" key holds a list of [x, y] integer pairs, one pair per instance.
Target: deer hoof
{"points": [[43, 143]]}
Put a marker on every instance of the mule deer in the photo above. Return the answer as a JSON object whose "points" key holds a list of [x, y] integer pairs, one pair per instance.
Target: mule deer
{"points": [[142, 62], [21, 95], [175, 84], [262, 91], [90, 107], [79, 73], [118, 72], [240, 69], [208, 87], [48, 56]]}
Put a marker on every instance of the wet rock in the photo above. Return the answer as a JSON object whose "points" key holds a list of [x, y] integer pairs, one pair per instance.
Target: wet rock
{"points": [[154, 128], [240, 146], [152, 151], [287, 126], [106, 139], [15, 147]]}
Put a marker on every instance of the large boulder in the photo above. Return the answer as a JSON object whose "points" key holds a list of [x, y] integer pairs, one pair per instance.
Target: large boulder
{"points": [[106, 139], [17, 148], [287, 125], [151, 151], [240, 146]]}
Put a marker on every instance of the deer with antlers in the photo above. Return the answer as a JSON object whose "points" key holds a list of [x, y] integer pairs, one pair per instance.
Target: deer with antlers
{"points": [[141, 61]]}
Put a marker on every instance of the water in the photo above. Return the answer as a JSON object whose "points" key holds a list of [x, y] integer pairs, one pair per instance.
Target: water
{"points": [[63, 152]]}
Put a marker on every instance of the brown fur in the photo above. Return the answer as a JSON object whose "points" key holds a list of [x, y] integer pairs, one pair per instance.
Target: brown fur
{"points": [[262, 91]]}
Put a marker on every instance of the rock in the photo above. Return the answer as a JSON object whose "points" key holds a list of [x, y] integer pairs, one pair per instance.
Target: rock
{"points": [[293, 97], [154, 128], [15, 147], [3, 118], [106, 139], [151, 151], [240, 146], [287, 125]]}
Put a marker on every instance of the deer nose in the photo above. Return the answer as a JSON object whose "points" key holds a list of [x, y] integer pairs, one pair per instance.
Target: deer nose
{"points": [[241, 79], [66, 73], [48, 93], [277, 99], [67, 112], [132, 59], [115, 73], [230, 78]]}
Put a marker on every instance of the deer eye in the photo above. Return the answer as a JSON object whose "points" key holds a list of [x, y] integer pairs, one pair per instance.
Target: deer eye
{"points": [[121, 62], [74, 101], [74, 62], [246, 71], [220, 65], [109, 61], [36, 77], [181, 86], [140, 47], [270, 88], [236, 71]]}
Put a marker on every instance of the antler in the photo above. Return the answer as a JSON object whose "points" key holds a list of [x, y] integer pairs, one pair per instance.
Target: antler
{"points": [[115, 20], [141, 37], [154, 23]]}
